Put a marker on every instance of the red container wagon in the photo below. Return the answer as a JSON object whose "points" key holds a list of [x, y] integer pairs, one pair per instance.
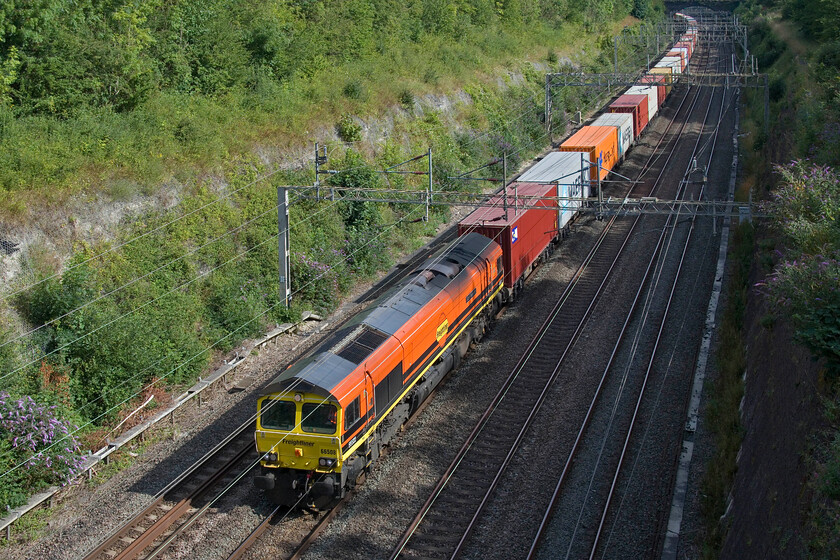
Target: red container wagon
{"points": [[635, 104], [523, 233], [601, 143], [650, 91], [660, 88]]}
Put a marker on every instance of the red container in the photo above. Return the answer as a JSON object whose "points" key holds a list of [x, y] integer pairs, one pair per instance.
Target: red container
{"points": [[523, 234], [636, 104], [661, 91]]}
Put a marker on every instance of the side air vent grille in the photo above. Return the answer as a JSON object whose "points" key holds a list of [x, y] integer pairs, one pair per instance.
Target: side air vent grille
{"points": [[359, 344]]}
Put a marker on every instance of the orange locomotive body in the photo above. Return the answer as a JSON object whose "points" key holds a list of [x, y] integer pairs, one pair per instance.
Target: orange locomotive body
{"points": [[323, 421]]}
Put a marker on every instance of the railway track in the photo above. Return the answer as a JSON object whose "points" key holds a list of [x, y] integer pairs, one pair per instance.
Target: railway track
{"points": [[150, 532], [181, 503], [608, 431], [444, 523]]}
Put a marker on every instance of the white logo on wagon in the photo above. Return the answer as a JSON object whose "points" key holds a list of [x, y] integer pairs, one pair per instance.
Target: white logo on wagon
{"points": [[514, 235]]}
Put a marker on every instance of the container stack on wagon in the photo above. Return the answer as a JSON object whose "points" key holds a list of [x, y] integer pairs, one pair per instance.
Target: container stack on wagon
{"points": [[623, 122], [570, 171], [523, 232], [637, 106], [600, 143]]}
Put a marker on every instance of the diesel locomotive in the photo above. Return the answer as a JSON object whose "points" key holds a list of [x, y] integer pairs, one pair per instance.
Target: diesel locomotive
{"points": [[324, 420]]}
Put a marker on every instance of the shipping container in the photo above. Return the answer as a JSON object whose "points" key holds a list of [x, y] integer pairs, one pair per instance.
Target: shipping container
{"points": [[570, 171], [635, 105], [601, 143], [674, 63], [666, 72], [660, 86], [653, 98], [686, 53], [687, 45], [523, 233], [682, 54], [624, 127]]}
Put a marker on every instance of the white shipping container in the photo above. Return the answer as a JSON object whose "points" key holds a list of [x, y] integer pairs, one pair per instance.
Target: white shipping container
{"points": [[685, 51], [672, 62], [624, 123], [653, 98], [570, 170]]}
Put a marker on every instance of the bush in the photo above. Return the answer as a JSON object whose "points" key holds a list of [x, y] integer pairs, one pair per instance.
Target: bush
{"points": [[807, 284], [354, 89], [318, 279], [237, 304], [778, 88], [807, 206], [809, 290], [348, 129], [407, 100], [37, 449]]}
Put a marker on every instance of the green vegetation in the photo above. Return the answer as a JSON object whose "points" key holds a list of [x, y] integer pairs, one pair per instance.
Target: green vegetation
{"points": [[125, 98], [96, 93]]}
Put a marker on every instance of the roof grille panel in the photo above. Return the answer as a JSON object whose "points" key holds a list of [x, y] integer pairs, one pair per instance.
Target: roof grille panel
{"points": [[359, 344]]}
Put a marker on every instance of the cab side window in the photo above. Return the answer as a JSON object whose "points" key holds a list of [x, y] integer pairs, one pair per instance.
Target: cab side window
{"points": [[351, 414]]}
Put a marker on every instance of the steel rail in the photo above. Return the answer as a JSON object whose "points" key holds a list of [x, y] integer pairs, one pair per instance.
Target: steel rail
{"points": [[254, 536], [659, 333], [459, 457], [128, 545], [584, 425], [319, 528]]}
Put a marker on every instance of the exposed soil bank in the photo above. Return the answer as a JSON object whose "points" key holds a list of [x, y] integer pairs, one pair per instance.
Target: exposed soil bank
{"points": [[781, 412]]}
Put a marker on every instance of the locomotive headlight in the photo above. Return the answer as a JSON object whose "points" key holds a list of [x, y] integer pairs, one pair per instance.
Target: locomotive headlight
{"points": [[271, 457], [326, 462]]}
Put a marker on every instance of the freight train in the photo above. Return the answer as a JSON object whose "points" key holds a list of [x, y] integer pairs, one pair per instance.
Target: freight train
{"points": [[323, 422]]}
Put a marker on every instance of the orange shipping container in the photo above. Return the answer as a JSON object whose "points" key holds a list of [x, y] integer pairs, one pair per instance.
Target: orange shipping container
{"points": [[600, 142]]}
